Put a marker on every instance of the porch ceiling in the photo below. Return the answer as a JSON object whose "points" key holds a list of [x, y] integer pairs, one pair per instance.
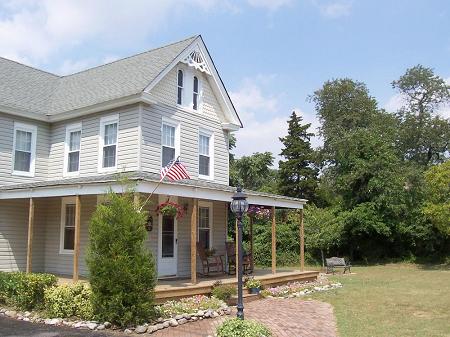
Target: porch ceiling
{"points": [[146, 183]]}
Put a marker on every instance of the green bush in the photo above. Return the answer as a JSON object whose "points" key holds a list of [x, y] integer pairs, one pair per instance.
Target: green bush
{"points": [[71, 300], [223, 291], [236, 327], [121, 270], [24, 290]]}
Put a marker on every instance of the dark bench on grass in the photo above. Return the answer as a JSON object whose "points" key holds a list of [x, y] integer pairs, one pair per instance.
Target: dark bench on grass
{"points": [[337, 262]]}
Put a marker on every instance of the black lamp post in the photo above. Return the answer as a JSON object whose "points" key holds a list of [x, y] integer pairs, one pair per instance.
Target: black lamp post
{"points": [[239, 206]]}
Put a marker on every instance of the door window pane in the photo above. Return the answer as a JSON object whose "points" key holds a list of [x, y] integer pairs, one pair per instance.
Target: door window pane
{"points": [[168, 236]]}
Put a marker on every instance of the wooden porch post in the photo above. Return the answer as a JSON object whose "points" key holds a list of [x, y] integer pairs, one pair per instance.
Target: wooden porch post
{"points": [[30, 235], [274, 243], [251, 242], [76, 248], [302, 242], [194, 242]]}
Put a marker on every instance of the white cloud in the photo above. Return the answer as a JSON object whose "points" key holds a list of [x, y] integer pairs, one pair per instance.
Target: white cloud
{"points": [[395, 103], [271, 5], [334, 9], [35, 30], [263, 120]]}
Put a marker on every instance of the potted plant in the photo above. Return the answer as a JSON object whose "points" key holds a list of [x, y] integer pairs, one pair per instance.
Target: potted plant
{"points": [[253, 286], [170, 208]]}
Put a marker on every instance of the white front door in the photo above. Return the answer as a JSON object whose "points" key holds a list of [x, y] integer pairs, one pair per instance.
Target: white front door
{"points": [[167, 246]]}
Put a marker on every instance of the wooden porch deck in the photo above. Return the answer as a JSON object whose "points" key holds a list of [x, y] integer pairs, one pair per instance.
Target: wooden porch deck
{"points": [[174, 288]]}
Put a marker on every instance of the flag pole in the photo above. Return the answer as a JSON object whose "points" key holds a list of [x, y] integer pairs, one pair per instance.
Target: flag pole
{"points": [[159, 183]]}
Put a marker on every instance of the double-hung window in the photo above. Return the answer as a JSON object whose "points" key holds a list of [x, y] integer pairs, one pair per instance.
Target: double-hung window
{"points": [[109, 127], [72, 151], [205, 224], [24, 149], [169, 141], [205, 154], [67, 235]]}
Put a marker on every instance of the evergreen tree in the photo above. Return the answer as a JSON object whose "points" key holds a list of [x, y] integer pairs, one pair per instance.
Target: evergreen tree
{"points": [[298, 175]]}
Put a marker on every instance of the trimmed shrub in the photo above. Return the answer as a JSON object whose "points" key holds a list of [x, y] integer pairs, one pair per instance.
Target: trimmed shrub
{"points": [[121, 270], [223, 292], [25, 290], [69, 300], [236, 327]]}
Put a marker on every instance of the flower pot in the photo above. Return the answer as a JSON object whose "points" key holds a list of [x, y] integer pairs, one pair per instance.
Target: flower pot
{"points": [[254, 290]]}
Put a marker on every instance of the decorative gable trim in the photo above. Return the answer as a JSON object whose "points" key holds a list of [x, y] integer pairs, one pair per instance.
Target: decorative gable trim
{"points": [[196, 59], [232, 118]]}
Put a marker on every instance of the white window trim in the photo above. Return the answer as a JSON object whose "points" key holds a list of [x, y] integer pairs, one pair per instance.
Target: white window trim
{"points": [[177, 126], [64, 201], [187, 99], [104, 121], [33, 130], [206, 204], [69, 129], [210, 134]]}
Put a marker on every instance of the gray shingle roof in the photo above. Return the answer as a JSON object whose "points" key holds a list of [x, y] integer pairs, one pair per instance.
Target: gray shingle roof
{"points": [[36, 91]]}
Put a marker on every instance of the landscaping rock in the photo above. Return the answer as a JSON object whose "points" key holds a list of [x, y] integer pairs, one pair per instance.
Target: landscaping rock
{"points": [[159, 326], [187, 316], [53, 321], [178, 317], [215, 314], [166, 324], [152, 329], [92, 326], [173, 322], [127, 331], [101, 327], [11, 313], [194, 318], [182, 321], [140, 329], [200, 313], [107, 325], [160, 319]]}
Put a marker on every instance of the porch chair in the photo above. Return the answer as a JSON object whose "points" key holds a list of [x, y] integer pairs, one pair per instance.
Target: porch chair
{"points": [[212, 263], [231, 259]]}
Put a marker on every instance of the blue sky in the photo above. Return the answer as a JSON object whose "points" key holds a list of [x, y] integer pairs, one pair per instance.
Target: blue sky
{"points": [[270, 54]]}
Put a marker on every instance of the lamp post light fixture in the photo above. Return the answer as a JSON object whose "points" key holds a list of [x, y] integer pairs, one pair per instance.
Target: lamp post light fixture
{"points": [[239, 207]]}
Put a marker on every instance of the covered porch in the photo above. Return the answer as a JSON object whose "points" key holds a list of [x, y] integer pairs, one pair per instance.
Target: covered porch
{"points": [[191, 194]]}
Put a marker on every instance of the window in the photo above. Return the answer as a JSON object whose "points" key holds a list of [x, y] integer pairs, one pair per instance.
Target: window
{"points": [[169, 141], [108, 143], [73, 145], [180, 87], [24, 149], [195, 94], [67, 238], [205, 224], [205, 150]]}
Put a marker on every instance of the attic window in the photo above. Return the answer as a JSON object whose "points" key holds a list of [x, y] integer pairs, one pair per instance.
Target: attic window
{"points": [[195, 59]]}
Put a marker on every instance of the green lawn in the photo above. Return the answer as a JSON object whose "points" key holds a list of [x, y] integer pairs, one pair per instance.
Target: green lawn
{"points": [[392, 300]]}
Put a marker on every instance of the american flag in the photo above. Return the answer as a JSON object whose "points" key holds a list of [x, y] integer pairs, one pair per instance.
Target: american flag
{"points": [[174, 170]]}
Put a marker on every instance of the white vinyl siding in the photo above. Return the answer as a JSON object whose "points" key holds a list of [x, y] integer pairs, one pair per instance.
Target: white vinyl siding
{"points": [[72, 150], [109, 129], [24, 153]]}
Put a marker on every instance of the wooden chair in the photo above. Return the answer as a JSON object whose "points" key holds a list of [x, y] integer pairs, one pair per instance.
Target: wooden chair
{"points": [[212, 263], [231, 259]]}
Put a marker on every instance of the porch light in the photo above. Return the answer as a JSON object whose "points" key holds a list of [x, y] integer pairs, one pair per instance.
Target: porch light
{"points": [[239, 205]]}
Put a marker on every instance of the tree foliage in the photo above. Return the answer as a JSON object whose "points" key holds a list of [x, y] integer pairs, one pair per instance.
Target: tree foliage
{"points": [[252, 172], [298, 174], [121, 270]]}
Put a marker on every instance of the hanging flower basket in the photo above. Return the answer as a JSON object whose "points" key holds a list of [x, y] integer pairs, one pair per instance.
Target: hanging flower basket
{"points": [[258, 212], [169, 208]]}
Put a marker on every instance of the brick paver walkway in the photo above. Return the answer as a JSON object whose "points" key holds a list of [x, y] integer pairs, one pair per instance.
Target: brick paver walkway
{"points": [[285, 317]]}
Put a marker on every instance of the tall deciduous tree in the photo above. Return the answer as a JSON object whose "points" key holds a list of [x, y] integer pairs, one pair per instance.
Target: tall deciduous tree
{"points": [[252, 172], [424, 136], [297, 173]]}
